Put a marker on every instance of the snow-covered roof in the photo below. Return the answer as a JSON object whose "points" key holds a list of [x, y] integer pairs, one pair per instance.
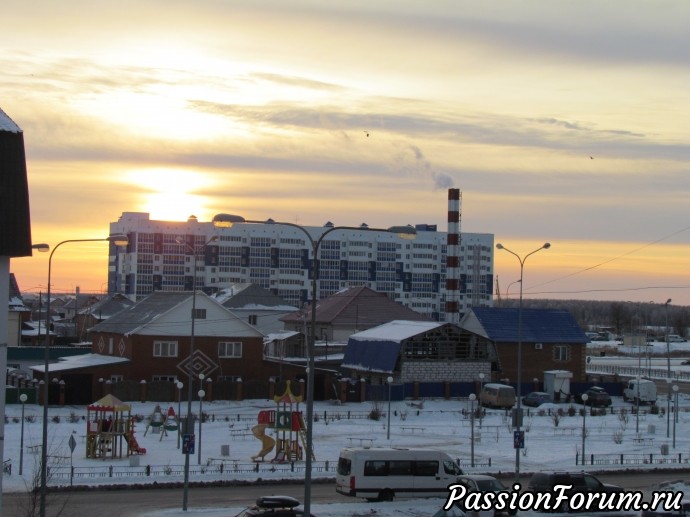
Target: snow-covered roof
{"points": [[279, 336], [396, 330], [246, 296], [80, 361], [7, 124]]}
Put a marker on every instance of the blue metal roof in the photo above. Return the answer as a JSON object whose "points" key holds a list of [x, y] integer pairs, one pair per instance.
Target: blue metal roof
{"points": [[372, 356], [538, 325]]}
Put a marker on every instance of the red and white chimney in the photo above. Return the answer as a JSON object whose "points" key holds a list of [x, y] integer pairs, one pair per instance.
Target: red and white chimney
{"points": [[453, 257]]}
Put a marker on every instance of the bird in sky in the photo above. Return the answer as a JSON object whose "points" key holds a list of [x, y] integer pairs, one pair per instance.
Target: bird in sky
{"points": [[366, 133]]}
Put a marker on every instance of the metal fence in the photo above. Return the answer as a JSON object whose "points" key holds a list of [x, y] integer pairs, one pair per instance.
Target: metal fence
{"points": [[633, 459], [214, 469]]}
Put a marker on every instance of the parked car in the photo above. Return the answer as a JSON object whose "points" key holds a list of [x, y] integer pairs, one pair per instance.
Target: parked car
{"points": [[675, 338], [482, 483], [536, 398], [642, 391], [684, 511], [496, 395], [596, 397], [580, 481], [273, 506]]}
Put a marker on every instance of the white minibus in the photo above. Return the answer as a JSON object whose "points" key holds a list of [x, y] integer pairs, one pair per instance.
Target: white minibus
{"points": [[380, 474]]}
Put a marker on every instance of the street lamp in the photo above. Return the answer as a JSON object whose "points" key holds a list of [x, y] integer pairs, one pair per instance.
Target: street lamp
{"points": [[637, 404], [472, 399], [201, 394], [481, 388], [668, 372], [189, 424], [179, 386], [510, 285], [518, 418], [388, 428], [117, 240], [584, 427], [675, 410], [405, 232], [22, 399]]}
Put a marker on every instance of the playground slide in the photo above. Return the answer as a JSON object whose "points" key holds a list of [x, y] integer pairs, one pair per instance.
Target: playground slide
{"points": [[267, 442], [134, 445]]}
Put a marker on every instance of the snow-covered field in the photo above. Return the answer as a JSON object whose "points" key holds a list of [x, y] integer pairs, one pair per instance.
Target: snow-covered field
{"points": [[441, 424]]}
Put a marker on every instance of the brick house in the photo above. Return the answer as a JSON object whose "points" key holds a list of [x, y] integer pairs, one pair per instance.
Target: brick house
{"points": [[148, 345], [551, 340]]}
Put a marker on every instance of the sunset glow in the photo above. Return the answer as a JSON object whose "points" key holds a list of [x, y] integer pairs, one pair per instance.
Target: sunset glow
{"points": [[563, 123]]}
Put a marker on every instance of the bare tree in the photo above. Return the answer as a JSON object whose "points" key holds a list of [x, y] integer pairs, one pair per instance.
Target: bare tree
{"points": [[56, 501]]}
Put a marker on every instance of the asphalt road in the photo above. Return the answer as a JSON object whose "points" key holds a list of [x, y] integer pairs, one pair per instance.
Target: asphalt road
{"points": [[137, 502]]}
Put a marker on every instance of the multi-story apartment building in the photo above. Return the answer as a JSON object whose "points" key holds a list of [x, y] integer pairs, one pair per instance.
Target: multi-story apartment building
{"points": [[164, 255]]}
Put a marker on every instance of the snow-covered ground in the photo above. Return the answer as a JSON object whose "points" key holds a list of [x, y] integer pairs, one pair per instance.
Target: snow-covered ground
{"points": [[440, 424]]}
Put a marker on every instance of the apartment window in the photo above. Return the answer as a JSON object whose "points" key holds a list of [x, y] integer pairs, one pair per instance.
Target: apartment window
{"points": [[229, 349], [165, 349], [561, 353]]}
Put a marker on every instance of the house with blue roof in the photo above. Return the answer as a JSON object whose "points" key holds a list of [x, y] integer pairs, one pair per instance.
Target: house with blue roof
{"points": [[483, 346], [417, 352], [550, 340]]}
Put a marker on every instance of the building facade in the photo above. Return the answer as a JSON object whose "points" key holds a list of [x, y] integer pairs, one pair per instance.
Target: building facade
{"points": [[164, 256]]}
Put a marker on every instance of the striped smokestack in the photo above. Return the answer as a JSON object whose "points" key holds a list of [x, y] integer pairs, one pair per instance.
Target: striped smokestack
{"points": [[453, 257]]}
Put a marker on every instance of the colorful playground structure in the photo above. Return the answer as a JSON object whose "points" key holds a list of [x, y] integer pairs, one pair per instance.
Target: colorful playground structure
{"points": [[110, 429], [160, 423], [289, 427]]}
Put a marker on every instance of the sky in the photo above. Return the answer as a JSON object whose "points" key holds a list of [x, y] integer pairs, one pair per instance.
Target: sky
{"points": [[562, 122]]}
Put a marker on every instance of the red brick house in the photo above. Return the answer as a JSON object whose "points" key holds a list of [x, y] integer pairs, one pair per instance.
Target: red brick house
{"points": [[141, 351]]}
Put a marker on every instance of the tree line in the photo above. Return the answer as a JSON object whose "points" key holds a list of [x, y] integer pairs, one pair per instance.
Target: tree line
{"points": [[622, 317]]}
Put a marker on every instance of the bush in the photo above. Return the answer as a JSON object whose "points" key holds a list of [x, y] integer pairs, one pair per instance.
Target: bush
{"points": [[375, 414]]}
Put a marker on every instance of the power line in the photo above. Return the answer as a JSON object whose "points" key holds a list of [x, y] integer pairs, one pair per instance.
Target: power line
{"points": [[611, 260]]}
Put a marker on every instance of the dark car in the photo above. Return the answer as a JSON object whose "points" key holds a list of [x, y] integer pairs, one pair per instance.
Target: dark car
{"points": [[274, 506], [580, 481], [596, 397], [684, 511], [536, 398], [483, 483]]}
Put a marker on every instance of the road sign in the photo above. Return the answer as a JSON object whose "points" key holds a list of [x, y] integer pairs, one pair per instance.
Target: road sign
{"points": [[188, 444], [518, 439]]}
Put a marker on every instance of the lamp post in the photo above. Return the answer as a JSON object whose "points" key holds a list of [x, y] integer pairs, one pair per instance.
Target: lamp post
{"points": [[637, 403], [675, 410], [584, 426], [518, 414], [189, 424], [22, 399], [179, 386], [472, 399], [388, 427], [227, 221], [201, 394], [481, 388], [510, 285], [668, 372], [117, 240]]}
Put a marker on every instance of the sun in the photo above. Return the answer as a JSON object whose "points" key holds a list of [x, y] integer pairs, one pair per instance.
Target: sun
{"points": [[170, 194]]}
